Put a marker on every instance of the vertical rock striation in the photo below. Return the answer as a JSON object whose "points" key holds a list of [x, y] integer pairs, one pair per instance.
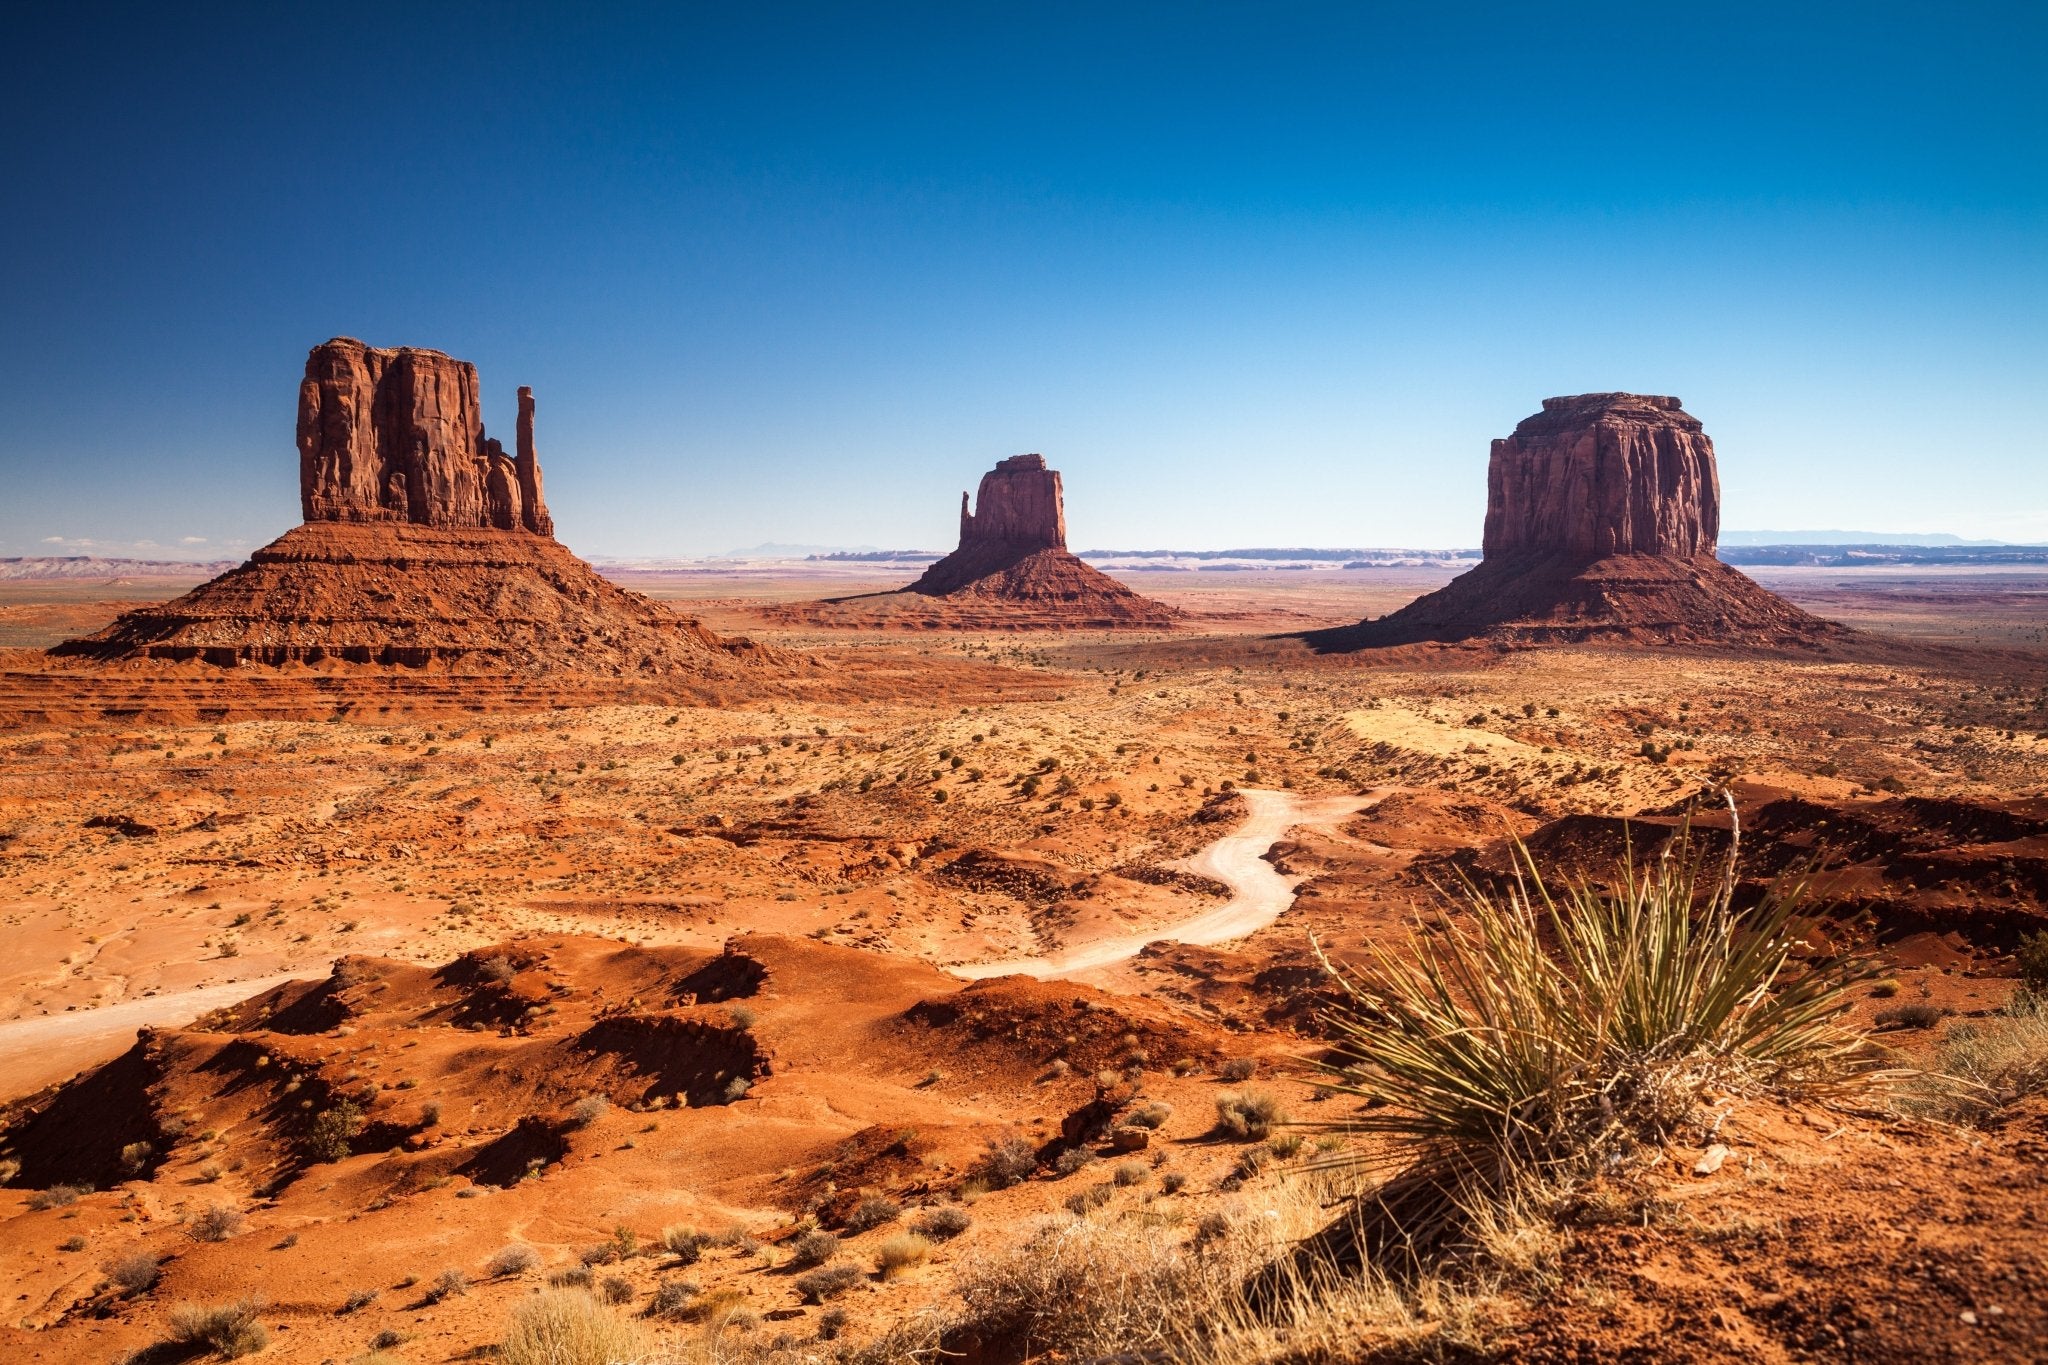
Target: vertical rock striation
{"points": [[398, 435]]}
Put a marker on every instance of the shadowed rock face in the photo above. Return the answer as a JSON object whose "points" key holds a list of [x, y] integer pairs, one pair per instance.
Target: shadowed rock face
{"points": [[398, 435], [1604, 474]]}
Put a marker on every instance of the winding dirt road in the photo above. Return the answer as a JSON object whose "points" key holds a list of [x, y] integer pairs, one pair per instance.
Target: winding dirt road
{"points": [[1258, 894]]}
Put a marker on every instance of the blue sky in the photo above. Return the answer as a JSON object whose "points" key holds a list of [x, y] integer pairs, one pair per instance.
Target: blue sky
{"points": [[1249, 275]]}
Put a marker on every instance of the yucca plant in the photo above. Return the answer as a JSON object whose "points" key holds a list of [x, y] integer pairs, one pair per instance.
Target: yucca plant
{"points": [[1544, 1033]]}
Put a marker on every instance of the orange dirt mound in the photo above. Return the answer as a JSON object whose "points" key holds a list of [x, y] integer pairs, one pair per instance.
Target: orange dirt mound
{"points": [[1555, 599], [420, 597]]}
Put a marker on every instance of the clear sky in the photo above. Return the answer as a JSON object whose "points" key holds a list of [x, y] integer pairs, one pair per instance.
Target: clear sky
{"points": [[1248, 274]]}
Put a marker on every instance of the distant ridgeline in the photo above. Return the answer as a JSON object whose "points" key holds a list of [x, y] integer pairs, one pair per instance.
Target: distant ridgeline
{"points": [[1850, 556]]}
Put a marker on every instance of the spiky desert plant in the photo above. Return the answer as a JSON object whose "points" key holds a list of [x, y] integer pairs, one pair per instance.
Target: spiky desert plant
{"points": [[569, 1327], [1542, 1033]]}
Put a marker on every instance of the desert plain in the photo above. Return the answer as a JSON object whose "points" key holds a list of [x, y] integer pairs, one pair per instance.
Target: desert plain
{"points": [[382, 1007]]}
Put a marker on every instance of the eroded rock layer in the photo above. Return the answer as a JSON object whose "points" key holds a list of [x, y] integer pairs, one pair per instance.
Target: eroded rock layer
{"points": [[1602, 516], [398, 435]]}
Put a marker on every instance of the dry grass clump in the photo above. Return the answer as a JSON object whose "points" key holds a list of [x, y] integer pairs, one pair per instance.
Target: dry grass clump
{"points": [[1542, 1037], [569, 1327], [685, 1244], [1249, 1114], [58, 1196], [901, 1252], [828, 1282], [872, 1212], [227, 1329], [516, 1259], [1982, 1066], [137, 1273], [215, 1223], [813, 1248], [941, 1224], [1007, 1161]]}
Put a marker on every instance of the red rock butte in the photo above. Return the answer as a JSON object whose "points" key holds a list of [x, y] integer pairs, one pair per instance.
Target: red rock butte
{"points": [[1013, 553], [424, 545], [1603, 512]]}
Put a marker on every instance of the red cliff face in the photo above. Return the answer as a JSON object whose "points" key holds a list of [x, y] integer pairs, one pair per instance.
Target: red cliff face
{"points": [[1019, 505], [398, 435], [1603, 474]]}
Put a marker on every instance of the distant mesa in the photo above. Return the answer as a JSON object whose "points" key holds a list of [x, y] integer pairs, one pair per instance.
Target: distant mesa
{"points": [[1012, 571], [1602, 515], [424, 545]]}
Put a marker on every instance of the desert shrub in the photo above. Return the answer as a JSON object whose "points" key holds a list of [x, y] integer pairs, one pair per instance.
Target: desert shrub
{"points": [[813, 1249], [1083, 1202], [569, 1327], [736, 1089], [136, 1155], [571, 1277], [1885, 989], [387, 1339], [1072, 1160], [1132, 1173], [498, 970], [685, 1244], [1249, 1114], [228, 1329], [449, 1284], [602, 1253], [1173, 1182], [1239, 1069], [1153, 1115], [589, 1110], [827, 1282], [1982, 1066], [741, 1016], [331, 1131], [941, 1224], [1542, 1036], [1919, 1014], [137, 1273], [360, 1299], [72, 1244], [58, 1196], [900, 1252], [2032, 962], [673, 1299], [872, 1212], [616, 1289], [215, 1223], [1006, 1162], [1287, 1146], [516, 1259]]}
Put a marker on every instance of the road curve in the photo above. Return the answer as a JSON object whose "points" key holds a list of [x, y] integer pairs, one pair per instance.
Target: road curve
{"points": [[49, 1047], [1258, 894]]}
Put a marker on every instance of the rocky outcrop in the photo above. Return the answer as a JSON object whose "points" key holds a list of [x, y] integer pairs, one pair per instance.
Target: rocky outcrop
{"points": [[425, 547], [1602, 516], [1019, 505], [398, 435], [1604, 474]]}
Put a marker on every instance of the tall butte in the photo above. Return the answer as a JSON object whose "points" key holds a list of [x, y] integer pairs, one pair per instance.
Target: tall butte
{"points": [[1013, 560], [424, 545], [1602, 516]]}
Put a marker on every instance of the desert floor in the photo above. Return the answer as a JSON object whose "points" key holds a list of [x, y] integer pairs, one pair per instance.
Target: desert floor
{"points": [[589, 972]]}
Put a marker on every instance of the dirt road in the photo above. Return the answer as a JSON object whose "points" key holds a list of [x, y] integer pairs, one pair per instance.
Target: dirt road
{"points": [[1258, 894], [39, 1051]]}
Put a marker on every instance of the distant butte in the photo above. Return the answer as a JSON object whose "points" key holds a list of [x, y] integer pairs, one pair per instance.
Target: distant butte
{"points": [[1603, 512], [424, 545], [1012, 571]]}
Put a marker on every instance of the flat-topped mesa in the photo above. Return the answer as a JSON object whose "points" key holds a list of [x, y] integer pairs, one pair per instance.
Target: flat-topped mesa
{"points": [[398, 435], [1598, 474], [1019, 504]]}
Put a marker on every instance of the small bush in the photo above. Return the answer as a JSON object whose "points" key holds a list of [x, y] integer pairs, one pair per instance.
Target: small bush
{"points": [[872, 1212], [685, 1244], [942, 1224], [616, 1289], [388, 1339], [1130, 1173], [1006, 1162], [1916, 1015], [1072, 1160], [813, 1249], [1983, 1066], [229, 1329], [603, 1253], [827, 1282], [516, 1259], [136, 1155], [673, 1299], [449, 1284], [569, 1327], [1248, 1115], [2032, 962], [332, 1131], [571, 1277], [136, 1274], [215, 1223], [360, 1299], [901, 1252], [1239, 1069], [1153, 1115], [1083, 1202], [58, 1196], [589, 1110]]}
